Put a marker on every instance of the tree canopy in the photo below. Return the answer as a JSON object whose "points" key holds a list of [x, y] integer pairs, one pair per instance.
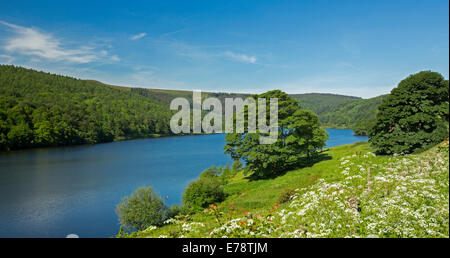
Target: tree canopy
{"points": [[414, 116], [299, 134]]}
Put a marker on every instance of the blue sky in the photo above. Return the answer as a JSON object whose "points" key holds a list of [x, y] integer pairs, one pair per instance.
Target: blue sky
{"points": [[360, 48]]}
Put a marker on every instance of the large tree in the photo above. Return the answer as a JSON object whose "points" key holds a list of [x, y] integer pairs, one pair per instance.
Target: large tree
{"points": [[306, 133], [414, 116], [296, 139]]}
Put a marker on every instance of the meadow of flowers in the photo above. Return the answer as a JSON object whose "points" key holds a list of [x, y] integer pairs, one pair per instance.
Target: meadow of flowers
{"points": [[398, 196]]}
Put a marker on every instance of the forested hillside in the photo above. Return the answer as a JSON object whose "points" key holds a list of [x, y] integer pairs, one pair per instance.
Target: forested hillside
{"points": [[322, 102], [41, 109], [325, 105], [166, 96], [358, 114]]}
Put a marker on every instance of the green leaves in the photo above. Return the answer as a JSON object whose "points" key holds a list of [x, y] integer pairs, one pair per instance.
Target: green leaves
{"points": [[299, 134], [203, 192], [352, 114], [141, 209], [414, 117], [39, 109]]}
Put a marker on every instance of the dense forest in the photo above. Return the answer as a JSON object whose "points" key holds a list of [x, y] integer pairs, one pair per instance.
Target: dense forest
{"points": [[41, 109]]}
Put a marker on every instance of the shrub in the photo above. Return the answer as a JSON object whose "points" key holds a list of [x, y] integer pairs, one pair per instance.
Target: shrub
{"points": [[141, 209], [174, 211], [212, 172], [203, 192]]}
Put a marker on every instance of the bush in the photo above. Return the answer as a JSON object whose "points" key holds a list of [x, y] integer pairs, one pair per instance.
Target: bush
{"points": [[212, 172], [143, 208], [174, 211], [203, 192]]}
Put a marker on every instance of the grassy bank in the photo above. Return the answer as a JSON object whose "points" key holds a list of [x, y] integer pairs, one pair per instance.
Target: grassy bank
{"points": [[350, 192]]}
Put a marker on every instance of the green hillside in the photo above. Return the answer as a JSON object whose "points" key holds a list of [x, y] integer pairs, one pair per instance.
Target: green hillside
{"points": [[325, 105], [351, 192], [357, 114], [39, 109], [319, 103], [322, 102]]}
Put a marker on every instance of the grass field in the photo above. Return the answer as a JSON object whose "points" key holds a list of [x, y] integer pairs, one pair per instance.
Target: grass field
{"points": [[349, 192]]}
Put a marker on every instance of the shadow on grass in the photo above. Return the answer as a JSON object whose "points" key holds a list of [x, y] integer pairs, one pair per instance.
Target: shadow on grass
{"points": [[301, 163]]}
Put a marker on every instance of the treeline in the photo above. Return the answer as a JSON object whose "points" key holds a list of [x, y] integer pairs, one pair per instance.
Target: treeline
{"points": [[39, 109]]}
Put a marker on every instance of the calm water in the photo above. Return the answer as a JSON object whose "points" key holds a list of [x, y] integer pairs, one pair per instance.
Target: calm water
{"points": [[54, 192]]}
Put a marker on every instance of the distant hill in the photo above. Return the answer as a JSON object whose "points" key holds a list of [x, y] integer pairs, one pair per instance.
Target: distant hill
{"points": [[334, 111], [316, 102], [358, 114], [320, 103], [166, 96]]}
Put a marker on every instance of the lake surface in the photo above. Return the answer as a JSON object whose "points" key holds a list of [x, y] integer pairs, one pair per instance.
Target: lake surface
{"points": [[54, 192]]}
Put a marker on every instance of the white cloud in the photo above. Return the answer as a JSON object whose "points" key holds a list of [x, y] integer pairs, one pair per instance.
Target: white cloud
{"points": [[138, 36], [241, 57], [115, 58], [31, 42], [6, 59], [202, 52]]}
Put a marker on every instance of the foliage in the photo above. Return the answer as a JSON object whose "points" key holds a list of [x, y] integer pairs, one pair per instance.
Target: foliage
{"points": [[38, 109], [143, 208], [403, 197], [296, 137], [414, 116], [247, 226], [354, 114], [320, 103], [364, 126], [211, 173], [203, 192], [174, 211], [307, 135], [237, 165], [370, 196]]}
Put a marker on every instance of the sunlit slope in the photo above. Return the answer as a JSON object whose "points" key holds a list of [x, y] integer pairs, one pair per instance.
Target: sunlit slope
{"points": [[349, 193]]}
